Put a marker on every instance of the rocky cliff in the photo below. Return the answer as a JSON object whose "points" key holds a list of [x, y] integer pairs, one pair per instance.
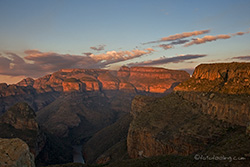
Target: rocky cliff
{"points": [[40, 92], [20, 121], [154, 80], [20, 116], [228, 78], [222, 90], [150, 79], [199, 114], [170, 125], [15, 153], [72, 84]]}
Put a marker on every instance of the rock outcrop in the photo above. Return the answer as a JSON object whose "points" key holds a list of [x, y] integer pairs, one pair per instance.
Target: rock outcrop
{"points": [[234, 109], [72, 84], [15, 153], [20, 116], [151, 79], [20, 122], [227, 78], [199, 114], [78, 115], [170, 125], [222, 90], [26, 82], [40, 92]]}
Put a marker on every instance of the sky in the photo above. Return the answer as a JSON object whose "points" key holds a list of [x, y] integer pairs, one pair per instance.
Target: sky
{"points": [[41, 37]]}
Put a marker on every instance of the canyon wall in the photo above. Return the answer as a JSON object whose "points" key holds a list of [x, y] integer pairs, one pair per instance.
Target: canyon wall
{"points": [[197, 114], [170, 125], [154, 80], [40, 92], [226, 78], [222, 90]]}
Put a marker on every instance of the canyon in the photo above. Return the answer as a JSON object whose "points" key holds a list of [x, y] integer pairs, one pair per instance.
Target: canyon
{"points": [[137, 116]]}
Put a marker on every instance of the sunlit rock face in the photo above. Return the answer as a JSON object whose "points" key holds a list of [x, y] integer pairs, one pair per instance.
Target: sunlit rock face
{"points": [[229, 78], [200, 112], [151, 79], [109, 82], [72, 84], [42, 91], [221, 89], [15, 153], [26, 82]]}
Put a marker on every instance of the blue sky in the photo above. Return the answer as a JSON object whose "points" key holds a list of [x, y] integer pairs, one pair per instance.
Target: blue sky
{"points": [[33, 34]]}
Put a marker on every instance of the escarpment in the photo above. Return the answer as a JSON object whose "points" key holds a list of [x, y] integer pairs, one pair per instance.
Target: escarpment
{"points": [[222, 90], [226, 78], [40, 92], [149, 79], [201, 112], [20, 122], [170, 125]]}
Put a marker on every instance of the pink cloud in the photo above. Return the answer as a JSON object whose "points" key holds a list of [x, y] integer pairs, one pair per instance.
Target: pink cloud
{"points": [[180, 36], [37, 63], [207, 38], [184, 35]]}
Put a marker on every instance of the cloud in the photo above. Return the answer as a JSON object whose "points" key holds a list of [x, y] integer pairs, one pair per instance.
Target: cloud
{"points": [[184, 35], [170, 45], [161, 61], [179, 42], [111, 57], [242, 57], [98, 48], [207, 38], [37, 63], [240, 33], [87, 53], [180, 36], [210, 38], [166, 46]]}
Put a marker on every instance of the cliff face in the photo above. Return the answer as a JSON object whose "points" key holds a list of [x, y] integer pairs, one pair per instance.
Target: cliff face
{"points": [[225, 71], [228, 78], [197, 115], [20, 121], [40, 92], [170, 125], [15, 153], [72, 84], [149, 79], [222, 90], [234, 109], [77, 115], [154, 80], [26, 82], [20, 116]]}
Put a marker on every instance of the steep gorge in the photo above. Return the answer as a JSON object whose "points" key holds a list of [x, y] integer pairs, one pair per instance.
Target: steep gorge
{"points": [[196, 117]]}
